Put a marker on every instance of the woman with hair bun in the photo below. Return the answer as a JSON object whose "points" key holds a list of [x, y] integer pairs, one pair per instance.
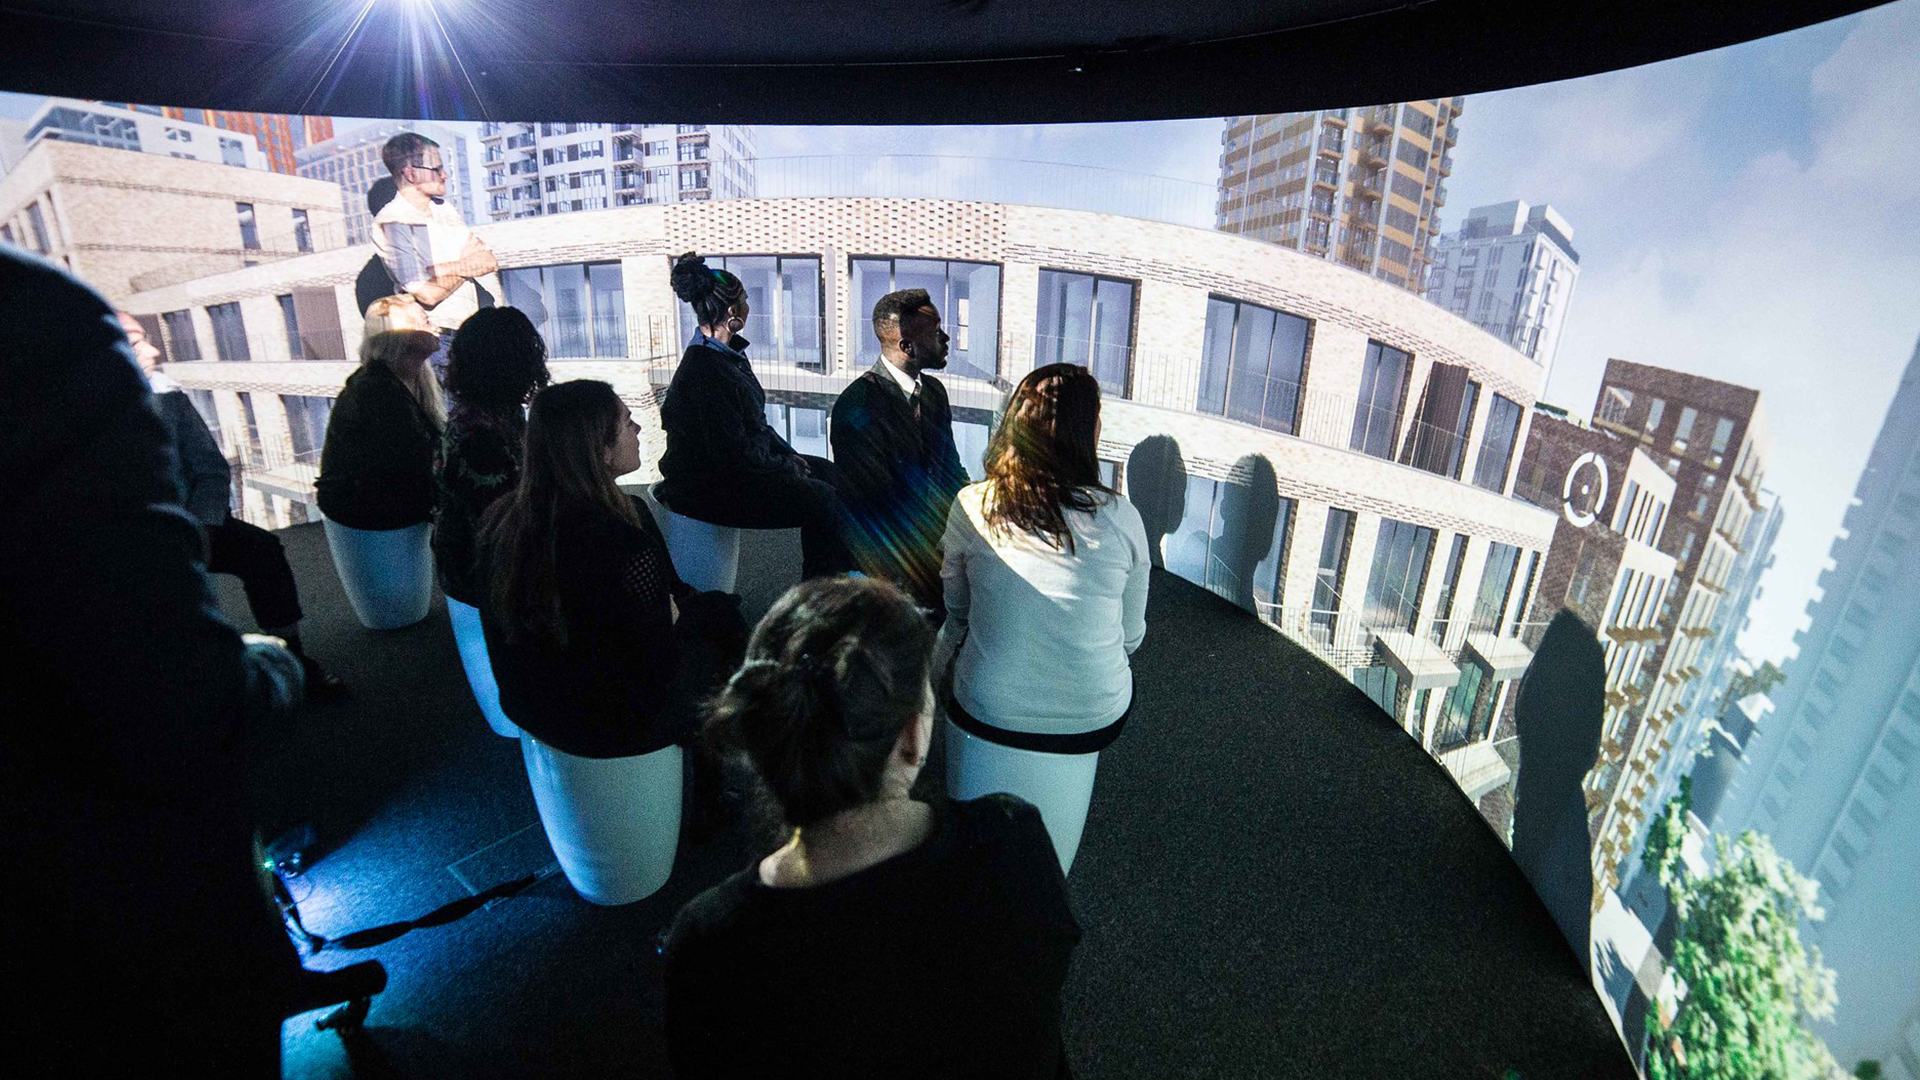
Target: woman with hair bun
{"points": [[888, 936], [1046, 583], [724, 464]]}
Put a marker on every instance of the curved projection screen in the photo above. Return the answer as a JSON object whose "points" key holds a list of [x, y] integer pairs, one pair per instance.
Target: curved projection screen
{"points": [[1571, 427]]}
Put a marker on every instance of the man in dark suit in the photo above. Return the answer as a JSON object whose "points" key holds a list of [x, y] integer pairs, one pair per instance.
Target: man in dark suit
{"points": [[892, 438]]}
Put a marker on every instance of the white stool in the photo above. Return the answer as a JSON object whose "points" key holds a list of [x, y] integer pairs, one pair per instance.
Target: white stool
{"points": [[706, 556], [614, 823], [1060, 785], [387, 573], [472, 643]]}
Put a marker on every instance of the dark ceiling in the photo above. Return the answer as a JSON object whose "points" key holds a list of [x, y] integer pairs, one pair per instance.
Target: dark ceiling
{"points": [[842, 61]]}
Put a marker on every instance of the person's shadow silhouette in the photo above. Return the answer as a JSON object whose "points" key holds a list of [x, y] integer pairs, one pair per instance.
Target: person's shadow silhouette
{"points": [[1558, 718], [1157, 487]]}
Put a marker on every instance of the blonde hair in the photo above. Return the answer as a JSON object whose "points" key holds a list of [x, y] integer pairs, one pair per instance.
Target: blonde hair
{"points": [[397, 350]]}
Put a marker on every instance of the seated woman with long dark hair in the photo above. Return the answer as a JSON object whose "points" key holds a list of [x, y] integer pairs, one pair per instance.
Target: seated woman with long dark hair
{"points": [[887, 936], [497, 362], [601, 652], [724, 464], [1046, 580]]}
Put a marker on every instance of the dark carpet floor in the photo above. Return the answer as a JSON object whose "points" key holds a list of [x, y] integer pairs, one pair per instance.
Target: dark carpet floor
{"points": [[1274, 882]]}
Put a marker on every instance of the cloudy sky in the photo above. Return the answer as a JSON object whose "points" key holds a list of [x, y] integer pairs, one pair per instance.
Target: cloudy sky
{"points": [[1749, 214]]}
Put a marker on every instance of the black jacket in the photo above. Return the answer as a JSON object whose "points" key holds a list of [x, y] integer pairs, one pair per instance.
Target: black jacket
{"points": [[901, 473], [124, 823], [629, 679], [715, 416], [376, 468]]}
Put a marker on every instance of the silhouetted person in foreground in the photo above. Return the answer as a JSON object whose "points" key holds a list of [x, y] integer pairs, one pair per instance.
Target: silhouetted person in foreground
{"points": [[138, 933], [888, 937], [1558, 718], [893, 440], [236, 547]]}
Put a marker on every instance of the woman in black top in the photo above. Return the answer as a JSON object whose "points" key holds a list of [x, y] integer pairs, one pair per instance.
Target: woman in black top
{"points": [[724, 463], [376, 466], [888, 936], [497, 362], [600, 649]]}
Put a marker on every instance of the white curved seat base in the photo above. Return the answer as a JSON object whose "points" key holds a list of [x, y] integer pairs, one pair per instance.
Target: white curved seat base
{"points": [[706, 556], [614, 823], [1060, 785], [387, 573], [472, 643]]}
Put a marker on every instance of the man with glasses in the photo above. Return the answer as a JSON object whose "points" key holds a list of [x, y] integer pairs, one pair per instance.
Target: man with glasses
{"points": [[427, 247]]}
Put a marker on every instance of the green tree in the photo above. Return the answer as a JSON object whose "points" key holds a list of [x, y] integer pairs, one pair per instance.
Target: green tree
{"points": [[1660, 855], [1749, 985]]}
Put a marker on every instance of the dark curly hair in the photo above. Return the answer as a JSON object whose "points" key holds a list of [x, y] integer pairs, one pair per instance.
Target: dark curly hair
{"points": [[496, 359], [710, 292], [834, 672], [1044, 459]]}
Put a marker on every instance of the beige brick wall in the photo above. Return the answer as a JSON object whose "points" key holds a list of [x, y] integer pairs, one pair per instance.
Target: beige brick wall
{"points": [[121, 213]]}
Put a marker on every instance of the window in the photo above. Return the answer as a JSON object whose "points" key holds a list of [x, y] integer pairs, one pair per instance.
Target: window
{"points": [[233, 152], [307, 423], [1497, 443], [1376, 414], [966, 294], [1449, 584], [804, 429], [181, 343], [209, 412], [1399, 572], [970, 440], [1722, 434], [1189, 544], [249, 229], [1269, 574], [38, 223], [1438, 441], [294, 349], [1087, 320], [302, 231], [1614, 405], [1333, 565], [1453, 727], [580, 308], [783, 292], [1656, 412], [1526, 590], [1496, 585], [1684, 429], [1252, 362], [229, 332]]}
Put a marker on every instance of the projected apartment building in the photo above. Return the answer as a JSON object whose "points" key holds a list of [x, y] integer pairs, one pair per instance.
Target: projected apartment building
{"points": [[149, 129], [1829, 775], [1361, 187], [125, 221], [1510, 270], [545, 169]]}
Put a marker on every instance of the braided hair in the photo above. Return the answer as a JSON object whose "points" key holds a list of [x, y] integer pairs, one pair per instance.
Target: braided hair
{"points": [[834, 672], [710, 292]]}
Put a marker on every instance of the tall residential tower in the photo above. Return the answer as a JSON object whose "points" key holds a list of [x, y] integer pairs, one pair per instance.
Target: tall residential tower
{"points": [[1830, 775], [1360, 187], [535, 169], [1510, 270]]}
